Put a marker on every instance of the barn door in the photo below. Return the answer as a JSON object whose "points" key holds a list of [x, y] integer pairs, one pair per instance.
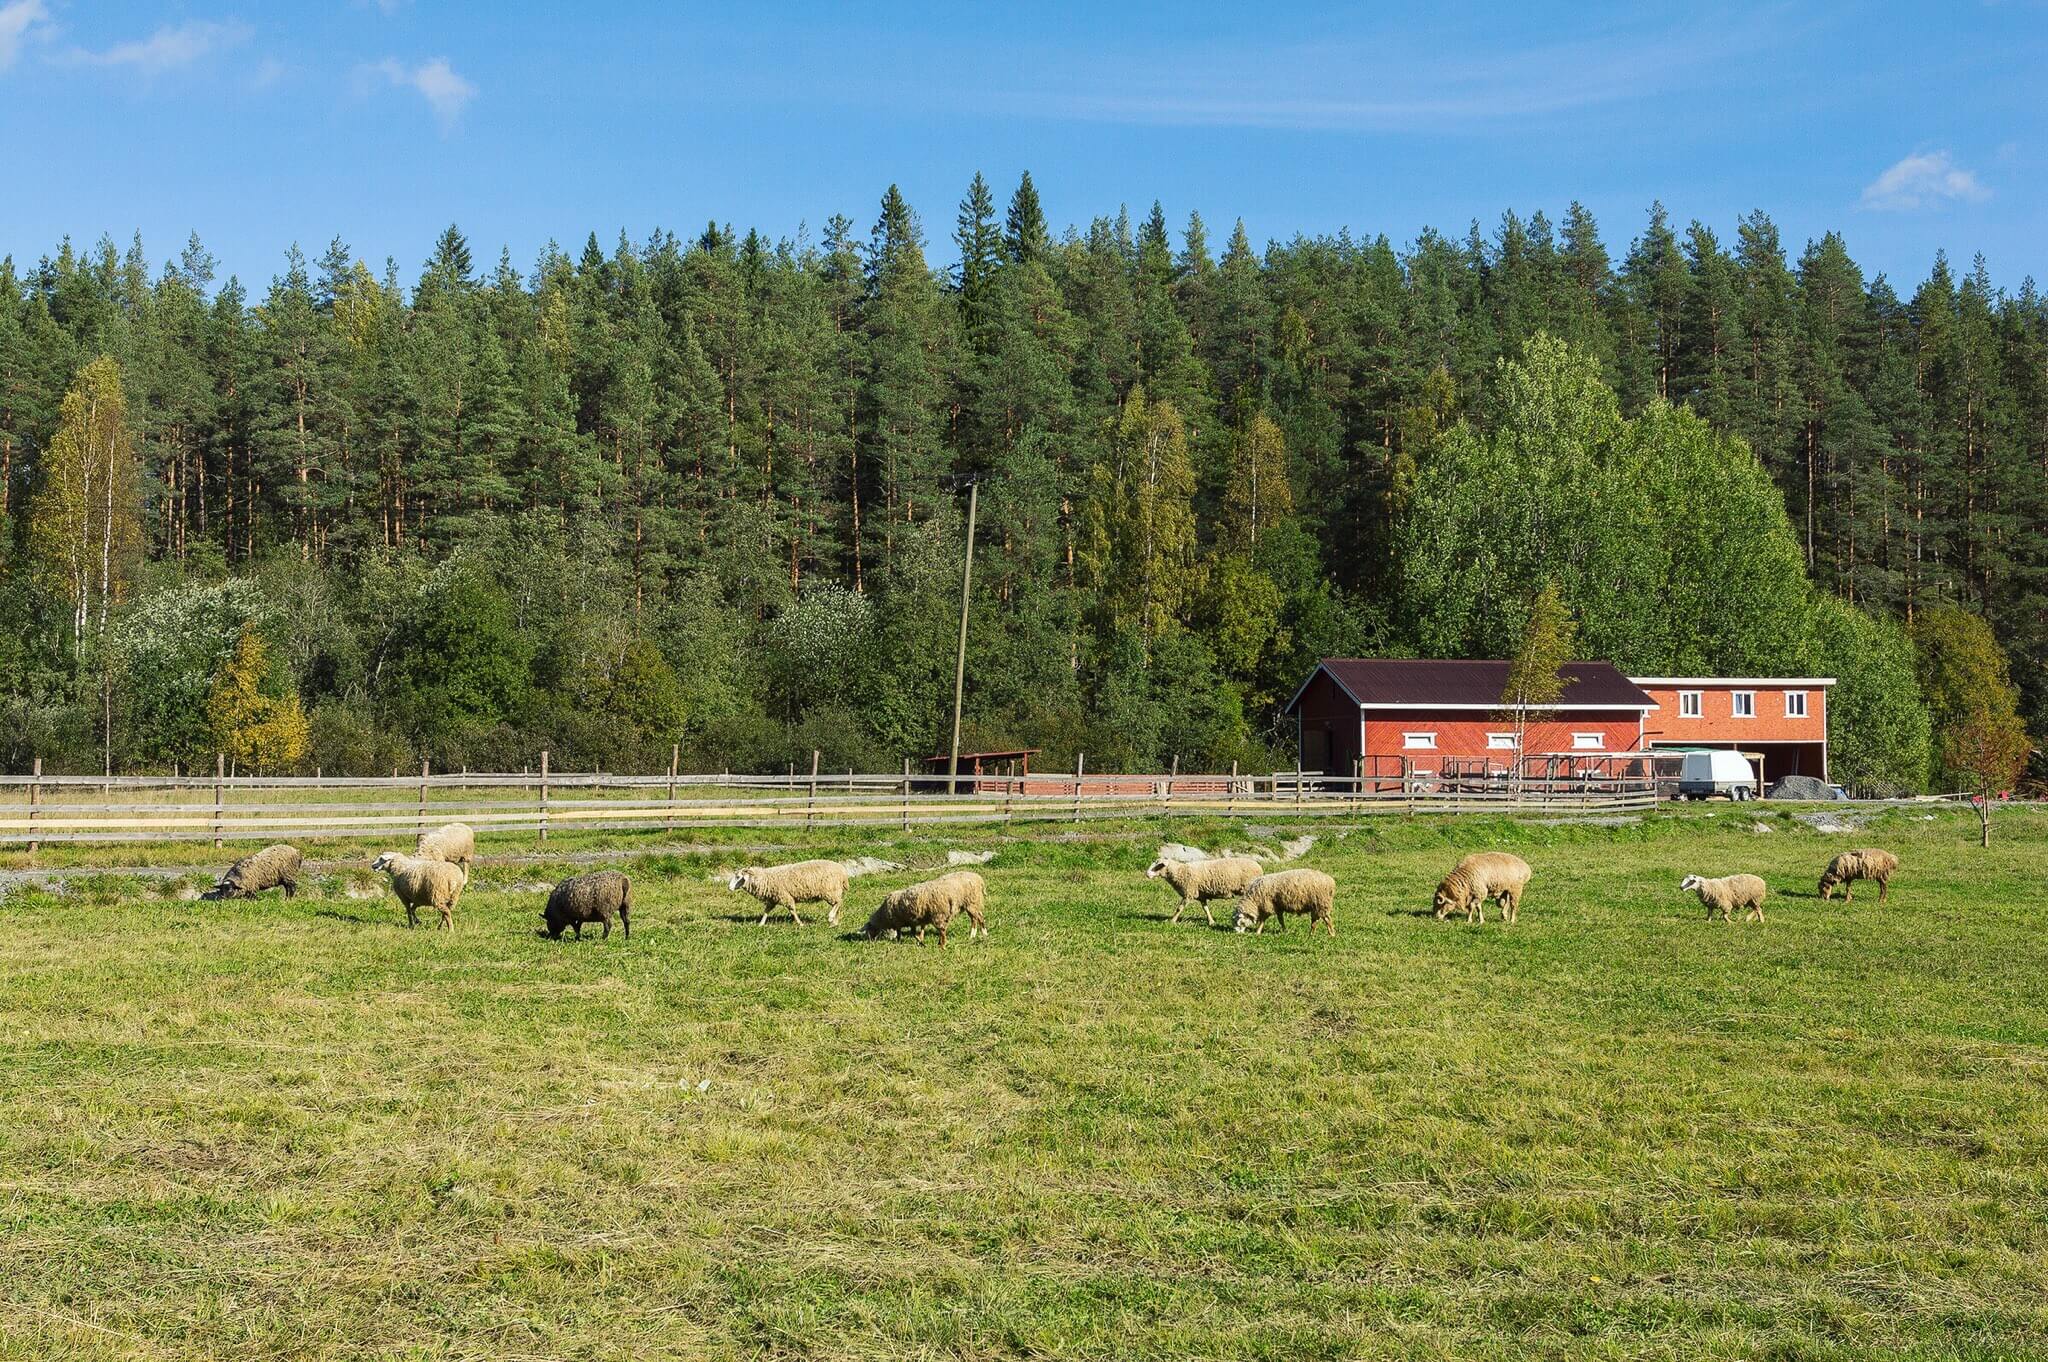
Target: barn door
{"points": [[1315, 750]]}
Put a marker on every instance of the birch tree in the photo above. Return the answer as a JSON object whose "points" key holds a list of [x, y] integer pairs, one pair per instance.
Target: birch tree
{"points": [[85, 521]]}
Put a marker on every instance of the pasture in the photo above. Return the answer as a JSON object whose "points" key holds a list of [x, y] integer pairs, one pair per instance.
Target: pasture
{"points": [[296, 1129]]}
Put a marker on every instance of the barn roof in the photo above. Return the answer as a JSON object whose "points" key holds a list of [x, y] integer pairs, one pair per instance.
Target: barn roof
{"points": [[1439, 683]]}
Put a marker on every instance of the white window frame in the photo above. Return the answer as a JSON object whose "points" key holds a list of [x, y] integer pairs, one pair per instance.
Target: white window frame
{"points": [[1801, 711], [1419, 742], [1692, 704], [1589, 742], [1736, 702], [1500, 742]]}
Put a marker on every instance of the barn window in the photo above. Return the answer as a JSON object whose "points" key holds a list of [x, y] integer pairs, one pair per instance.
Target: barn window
{"points": [[1795, 704], [1745, 704], [1501, 742], [1689, 704], [1416, 741], [1589, 742]]}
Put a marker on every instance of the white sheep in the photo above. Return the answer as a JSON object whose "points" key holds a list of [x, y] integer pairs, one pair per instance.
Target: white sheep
{"points": [[421, 883], [454, 842], [1288, 891], [1224, 877], [785, 886], [932, 904], [1723, 896], [1479, 878]]}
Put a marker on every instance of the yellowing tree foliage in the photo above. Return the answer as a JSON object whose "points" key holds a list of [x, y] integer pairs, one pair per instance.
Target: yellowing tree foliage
{"points": [[262, 732], [83, 523]]}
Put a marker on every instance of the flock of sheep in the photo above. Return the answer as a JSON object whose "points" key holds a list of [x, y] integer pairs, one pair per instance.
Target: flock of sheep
{"points": [[437, 871]]}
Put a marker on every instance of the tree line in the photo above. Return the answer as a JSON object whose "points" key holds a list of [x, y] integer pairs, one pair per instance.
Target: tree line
{"points": [[704, 492]]}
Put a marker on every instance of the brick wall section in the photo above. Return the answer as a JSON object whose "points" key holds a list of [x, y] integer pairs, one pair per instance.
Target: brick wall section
{"points": [[1461, 733], [1717, 722]]}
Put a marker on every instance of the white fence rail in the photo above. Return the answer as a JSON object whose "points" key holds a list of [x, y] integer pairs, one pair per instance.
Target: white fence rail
{"points": [[37, 809]]}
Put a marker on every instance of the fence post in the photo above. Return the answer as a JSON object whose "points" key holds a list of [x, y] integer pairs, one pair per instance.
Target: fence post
{"points": [[811, 801], [1408, 783], [1230, 799], [1080, 769], [423, 794], [906, 794], [675, 758], [220, 768], [543, 794], [35, 797], [1297, 784], [1172, 774]]}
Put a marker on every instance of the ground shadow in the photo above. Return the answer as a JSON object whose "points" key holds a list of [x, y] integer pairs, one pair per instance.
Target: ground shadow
{"points": [[340, 916]]}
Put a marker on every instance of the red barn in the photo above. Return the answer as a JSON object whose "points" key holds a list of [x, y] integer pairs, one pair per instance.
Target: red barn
{"points": [[1784, 719], [1424, 711]]}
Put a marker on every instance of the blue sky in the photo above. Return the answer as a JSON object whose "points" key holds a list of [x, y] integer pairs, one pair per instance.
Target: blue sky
{"points": [[1907, 127]]}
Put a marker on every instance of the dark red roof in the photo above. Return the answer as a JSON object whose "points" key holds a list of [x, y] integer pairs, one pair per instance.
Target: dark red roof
{"points": [[1437, 683]]}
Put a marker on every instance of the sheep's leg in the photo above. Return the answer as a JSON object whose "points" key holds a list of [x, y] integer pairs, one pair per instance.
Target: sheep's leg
{"points": [[1182, 909], [412, 916], [1207, 912], [832, 918], [607, 930], [579, 930], [1884, 886], [764, 915], [942, 934], [795, 916], [291, 888], [920, 936]]}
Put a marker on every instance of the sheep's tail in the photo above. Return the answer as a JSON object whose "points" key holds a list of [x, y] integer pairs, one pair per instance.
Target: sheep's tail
{"points": [[626, 908]]}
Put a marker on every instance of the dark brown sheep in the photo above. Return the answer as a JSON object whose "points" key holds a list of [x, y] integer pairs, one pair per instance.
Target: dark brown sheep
{"points": [[590, 898]]}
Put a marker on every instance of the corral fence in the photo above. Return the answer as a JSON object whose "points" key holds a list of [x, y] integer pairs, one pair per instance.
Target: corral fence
{"points": [[38, 808]]}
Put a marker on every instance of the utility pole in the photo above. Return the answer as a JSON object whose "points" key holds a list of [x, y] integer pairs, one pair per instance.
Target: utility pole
{"points": [[960, 660]]}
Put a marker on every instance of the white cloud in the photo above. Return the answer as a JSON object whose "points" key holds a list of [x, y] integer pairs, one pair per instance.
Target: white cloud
{"points": [[167, 49], [435, 80], [1923, 180], [269, 73], [18, 20]]}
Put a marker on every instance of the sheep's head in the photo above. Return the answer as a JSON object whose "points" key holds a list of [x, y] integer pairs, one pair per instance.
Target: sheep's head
{"points": [[1828, 881], [1450, 897], [384, 861], [1246, 919], [1156, 869], [743, 879], [1689, 884]]}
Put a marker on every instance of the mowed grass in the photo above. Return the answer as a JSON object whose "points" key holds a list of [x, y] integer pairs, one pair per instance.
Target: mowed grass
{"points": [[298, 1129]]}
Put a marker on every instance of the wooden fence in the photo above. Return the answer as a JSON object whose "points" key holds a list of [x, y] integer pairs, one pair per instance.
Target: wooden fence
{"points": [[37, 808]]}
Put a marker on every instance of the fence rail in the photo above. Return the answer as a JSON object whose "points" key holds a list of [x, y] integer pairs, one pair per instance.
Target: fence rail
{"points": [[37, 809]]}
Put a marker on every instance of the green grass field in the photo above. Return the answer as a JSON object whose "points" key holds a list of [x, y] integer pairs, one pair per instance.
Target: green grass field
{"points": [[289, 1130]]}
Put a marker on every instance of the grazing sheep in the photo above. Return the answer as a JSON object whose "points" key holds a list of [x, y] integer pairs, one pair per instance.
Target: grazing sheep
{"points": [[1725, 895], [935, 903], [590, 898], [1480, 877], [424, 884], [1288, 891], [453, 842], [271, 868], [785, 886], [1864, 863], [1224, 877]]}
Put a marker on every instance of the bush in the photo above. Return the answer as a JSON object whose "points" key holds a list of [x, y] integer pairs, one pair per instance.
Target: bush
{"points": [[1877, 725]]}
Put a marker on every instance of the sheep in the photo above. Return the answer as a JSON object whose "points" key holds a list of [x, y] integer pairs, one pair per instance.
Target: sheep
{"points": [[1725, 895], [1864, 863], [271, 868], [1225, 877], [453, 842], [422, 883], [785, 886], [935, 903], [590, 898], [1288, 891], [1480, 877]]}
